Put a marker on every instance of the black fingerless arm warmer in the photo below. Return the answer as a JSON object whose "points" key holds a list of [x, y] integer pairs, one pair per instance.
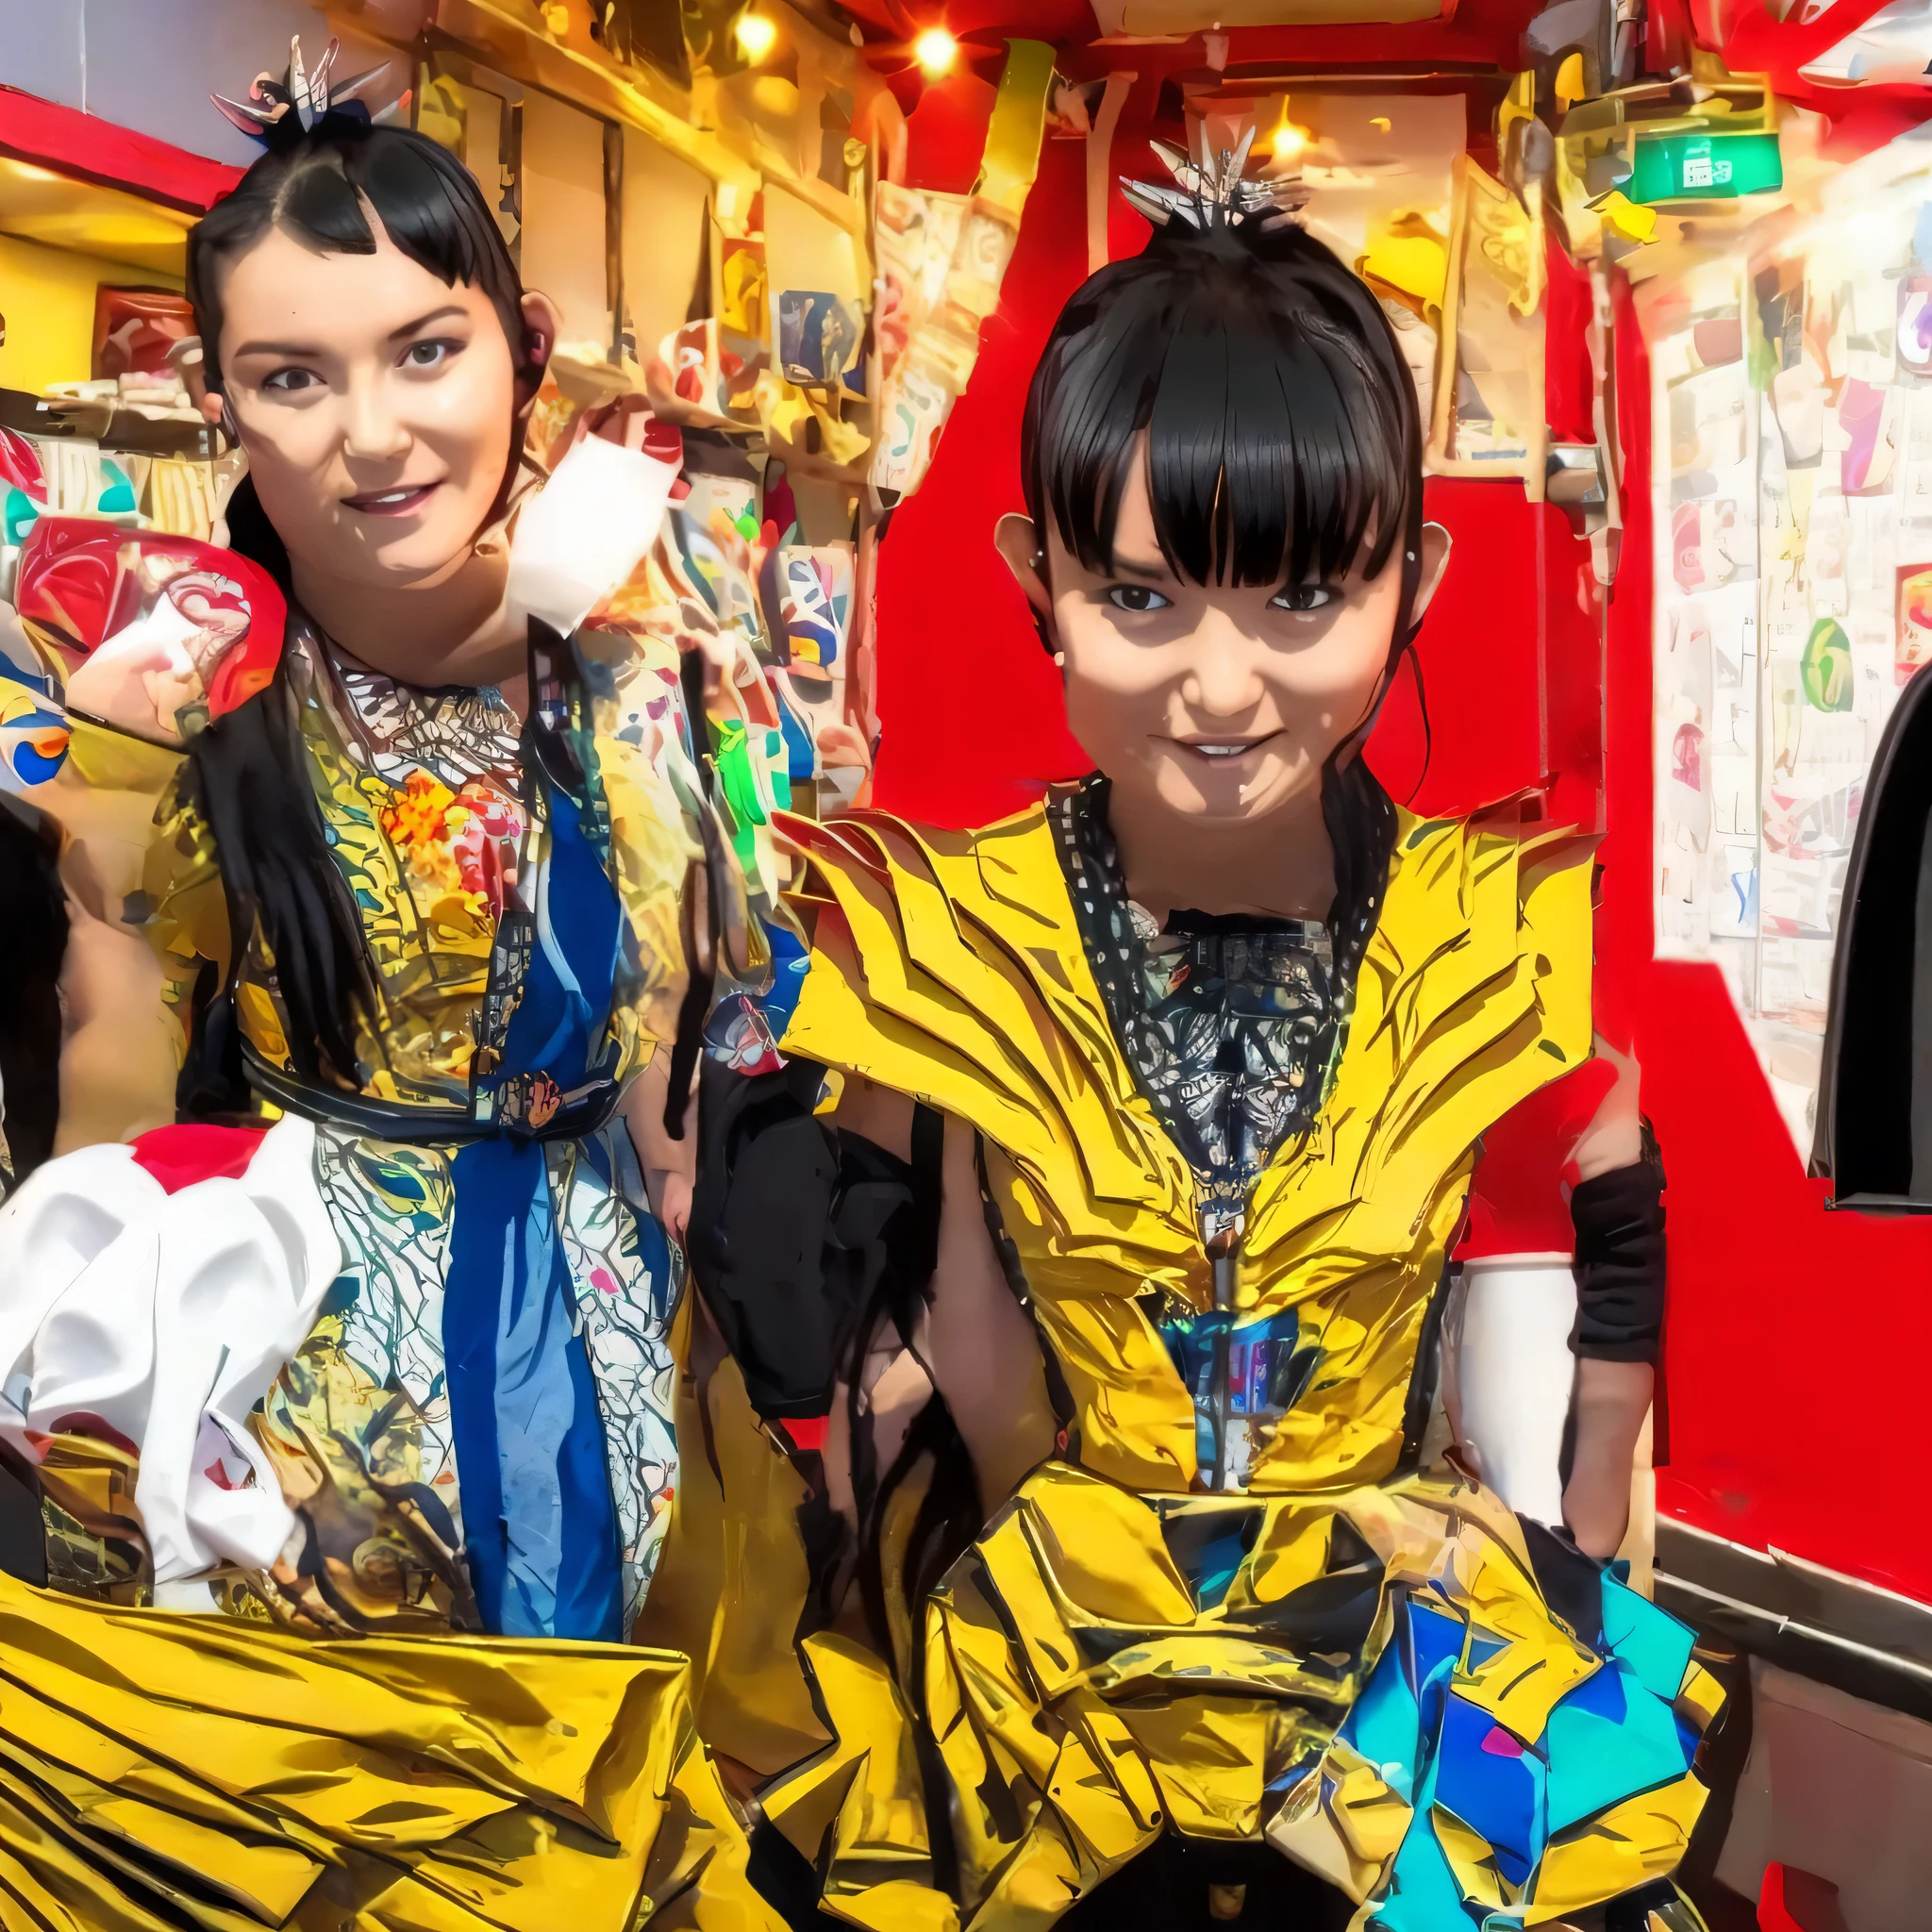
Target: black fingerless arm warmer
{"points": [[1619, 1218]]}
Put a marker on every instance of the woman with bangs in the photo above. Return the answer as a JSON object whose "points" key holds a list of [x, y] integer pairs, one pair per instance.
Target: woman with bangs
{"points": [[335, 1444], [1151, 1116]]}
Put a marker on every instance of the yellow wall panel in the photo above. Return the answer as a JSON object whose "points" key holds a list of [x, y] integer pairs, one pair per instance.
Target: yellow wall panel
{"points": [[47, 296]]}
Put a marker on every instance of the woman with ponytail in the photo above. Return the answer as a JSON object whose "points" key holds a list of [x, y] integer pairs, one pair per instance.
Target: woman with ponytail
{"points": [[395, 1370], [1156, 1110]]}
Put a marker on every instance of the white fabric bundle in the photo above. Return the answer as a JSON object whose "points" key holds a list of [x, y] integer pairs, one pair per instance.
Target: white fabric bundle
{"points": [[1506, 1346], [167, 1316], [586, 530]]}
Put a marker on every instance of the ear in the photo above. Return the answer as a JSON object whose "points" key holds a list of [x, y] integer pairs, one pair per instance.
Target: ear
{"points": [[1018, 540], [1435, 560], [543, 324]]}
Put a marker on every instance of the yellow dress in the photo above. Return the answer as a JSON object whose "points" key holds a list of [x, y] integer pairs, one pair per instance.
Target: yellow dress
{"points": [[161, 1771], [1352, 1659], [343, 1751]]}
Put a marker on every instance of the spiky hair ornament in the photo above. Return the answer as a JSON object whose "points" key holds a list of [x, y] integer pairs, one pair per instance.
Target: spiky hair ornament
{"points": [[1210, 193], [285, 110]]}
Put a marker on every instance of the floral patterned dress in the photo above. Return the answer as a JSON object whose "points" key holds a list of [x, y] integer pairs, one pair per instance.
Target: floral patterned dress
{"points": [[477, 1434]]}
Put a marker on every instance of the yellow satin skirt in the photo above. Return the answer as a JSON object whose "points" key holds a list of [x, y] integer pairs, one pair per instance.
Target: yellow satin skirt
{"points": [[1371, 1681], [162, 1771]]}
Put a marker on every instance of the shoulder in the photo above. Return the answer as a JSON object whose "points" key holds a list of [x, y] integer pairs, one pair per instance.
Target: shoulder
{"points": [[1478, 905], [946, 929], [874, 849], [1506, 853], [878, 888]]}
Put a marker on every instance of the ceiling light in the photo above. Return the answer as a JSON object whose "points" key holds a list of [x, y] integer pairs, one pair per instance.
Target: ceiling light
{"points": [[935, 50], [1286, 141], [756, 35]]}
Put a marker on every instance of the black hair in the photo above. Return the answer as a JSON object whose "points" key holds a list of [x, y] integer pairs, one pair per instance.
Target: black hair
{"points": [[30, 1028], [248, 772], [1283, 441], [1282, 431], [315, 185]]}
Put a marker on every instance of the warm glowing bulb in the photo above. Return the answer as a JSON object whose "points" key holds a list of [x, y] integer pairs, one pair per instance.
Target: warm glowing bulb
{"points": [[935, 50], [756, 35], [1285, 147]]}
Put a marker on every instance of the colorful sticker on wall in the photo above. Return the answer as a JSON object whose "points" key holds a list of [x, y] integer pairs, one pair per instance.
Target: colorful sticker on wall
{"points": [[743, 310], [713, 560], [1868, 420], [817, 599], [1827, 667], [817, 335], [1914, 648], [1914, 336], [724, 505], [33, 736], [20, 466], [1700, 557], [710, 368]]}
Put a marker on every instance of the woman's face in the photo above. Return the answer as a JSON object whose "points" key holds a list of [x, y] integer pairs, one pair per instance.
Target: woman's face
{"points": [[1216, 703], [376, 405]]}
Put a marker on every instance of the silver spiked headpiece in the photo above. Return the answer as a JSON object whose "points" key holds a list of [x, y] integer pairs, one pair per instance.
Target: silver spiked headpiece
{"points": [[309, 97], [1210, 192]]}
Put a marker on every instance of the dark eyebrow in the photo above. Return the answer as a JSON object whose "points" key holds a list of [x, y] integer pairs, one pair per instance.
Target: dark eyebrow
{"points": [[1154, 570], [278, 349], [313, 350], [421, 321]]}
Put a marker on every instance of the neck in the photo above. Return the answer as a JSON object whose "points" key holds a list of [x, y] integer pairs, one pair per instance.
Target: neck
{"points": [[449, 628], [1279, 867]]}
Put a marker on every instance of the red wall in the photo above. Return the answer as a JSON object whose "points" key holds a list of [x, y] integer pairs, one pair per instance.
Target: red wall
{"points": [[1799, 1351], [1800, 1340]]}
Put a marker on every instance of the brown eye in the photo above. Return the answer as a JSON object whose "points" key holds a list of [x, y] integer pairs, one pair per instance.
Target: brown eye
{"points": [[1135, 597], [1302, 598]]}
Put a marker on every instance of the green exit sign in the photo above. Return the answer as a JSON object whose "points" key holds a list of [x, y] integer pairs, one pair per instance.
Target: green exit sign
{"points": [[1705, 167]]}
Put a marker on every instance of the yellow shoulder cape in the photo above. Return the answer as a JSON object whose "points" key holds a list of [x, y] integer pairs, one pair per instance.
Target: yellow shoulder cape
{"points": [[949, 966]]}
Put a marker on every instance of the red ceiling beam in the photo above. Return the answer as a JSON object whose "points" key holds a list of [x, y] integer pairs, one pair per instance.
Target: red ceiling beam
{"points": [[90, 149]]}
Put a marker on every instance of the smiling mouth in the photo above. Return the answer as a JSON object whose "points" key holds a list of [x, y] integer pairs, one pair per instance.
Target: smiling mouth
{"points": [[1223, 747], [393, 503]]}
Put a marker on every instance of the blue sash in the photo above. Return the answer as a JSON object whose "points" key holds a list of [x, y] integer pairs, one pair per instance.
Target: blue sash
{"points": [[539, 1523]]}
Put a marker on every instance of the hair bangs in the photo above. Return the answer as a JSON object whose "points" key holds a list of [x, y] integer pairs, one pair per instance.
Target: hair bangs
{"points": [[323, 189], [1281, 431]]}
